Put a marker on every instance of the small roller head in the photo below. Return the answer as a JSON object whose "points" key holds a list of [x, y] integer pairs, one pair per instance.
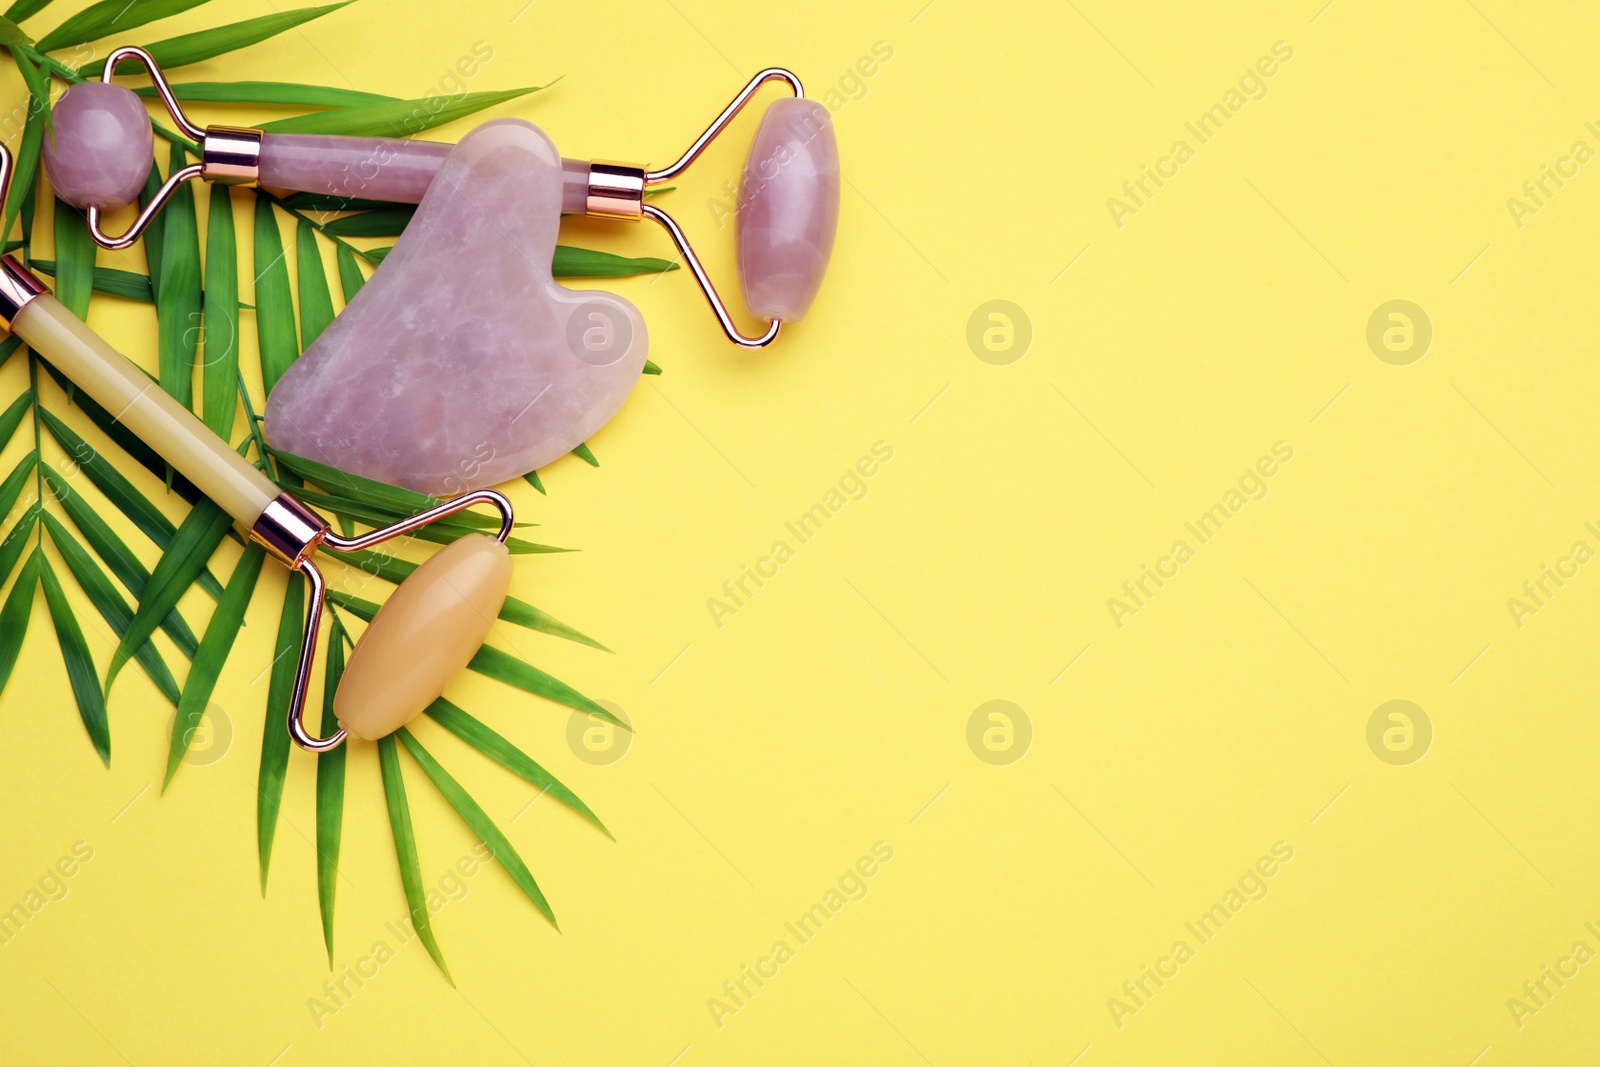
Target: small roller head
{"points": [[422, 637], [789, 210], [101, 151]]}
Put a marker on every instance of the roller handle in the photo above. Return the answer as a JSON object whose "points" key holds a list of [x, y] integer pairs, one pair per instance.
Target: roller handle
{"points": [[140, 404], [377, 168]]}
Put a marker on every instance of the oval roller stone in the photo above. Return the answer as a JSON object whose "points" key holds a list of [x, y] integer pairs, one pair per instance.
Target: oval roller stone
{"points": [[101, 151], [423, 636], [789, 199], [462, 363]]}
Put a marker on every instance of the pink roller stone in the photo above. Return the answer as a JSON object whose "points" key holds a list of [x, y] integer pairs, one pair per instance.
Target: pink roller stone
{"points": [[100, 154], [789, 209]]}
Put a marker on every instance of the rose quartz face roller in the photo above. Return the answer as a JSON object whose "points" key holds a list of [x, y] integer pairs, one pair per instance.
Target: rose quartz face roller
{"points": [[429, 628], [788, 198]]}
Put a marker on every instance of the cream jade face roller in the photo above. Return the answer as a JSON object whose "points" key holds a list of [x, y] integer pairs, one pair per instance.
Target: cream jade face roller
{"points": [[422, 636], [788, 199]]}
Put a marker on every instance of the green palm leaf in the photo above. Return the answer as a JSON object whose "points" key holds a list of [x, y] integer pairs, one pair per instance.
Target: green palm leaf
{"points": [[27, 164], [152, 234], [135, 505], [109, 17], [178, 314], [399, 118], [274, 306], [358, 488], [316, 302], [24, 9], [572, 262], [37, 81], [11, 488], [493, 663], [190, 48], [117, 556], [380, 222], [128, 500], [289, 93], [219, 377], [395, 570], [214, 648], [109, 280], [524, 614], [509, 756], [202, 531], [16, 540], [405, 849], [80, 665], [330, 203], [14, 616], [330, 791], [10, 419], [274, 738], [75, 252], [479, 822], [350, 277], [104, 596], [517, 611], [569, 262]]}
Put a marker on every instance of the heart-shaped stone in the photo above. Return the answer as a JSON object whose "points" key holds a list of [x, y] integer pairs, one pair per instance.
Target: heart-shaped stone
{"points": [[462, 363]]}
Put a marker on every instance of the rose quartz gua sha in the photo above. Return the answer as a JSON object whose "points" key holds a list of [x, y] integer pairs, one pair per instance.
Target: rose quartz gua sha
{"points": [[788, 198], [462, 363]]}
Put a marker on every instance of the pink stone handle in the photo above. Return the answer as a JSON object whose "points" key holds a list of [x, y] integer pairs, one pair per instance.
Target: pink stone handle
{"points": [[789, 209], [377, 168]]}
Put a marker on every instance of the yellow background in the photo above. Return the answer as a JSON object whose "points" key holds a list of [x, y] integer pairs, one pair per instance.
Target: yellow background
{"points": [[831, 711]]}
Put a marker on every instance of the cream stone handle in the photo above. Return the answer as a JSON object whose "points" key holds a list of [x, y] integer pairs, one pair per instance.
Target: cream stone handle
{"points": [[141, 405]]}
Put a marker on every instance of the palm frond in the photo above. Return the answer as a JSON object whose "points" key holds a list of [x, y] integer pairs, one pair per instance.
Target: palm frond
{"points": [[193, 288]]}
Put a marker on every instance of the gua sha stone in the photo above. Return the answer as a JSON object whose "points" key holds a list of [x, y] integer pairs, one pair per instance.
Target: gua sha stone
{"points": [[461, 363], [789, 197], [99, 153]]}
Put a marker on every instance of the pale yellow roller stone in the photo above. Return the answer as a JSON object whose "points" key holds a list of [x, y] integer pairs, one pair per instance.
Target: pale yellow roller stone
{"points": [[423, 636]]}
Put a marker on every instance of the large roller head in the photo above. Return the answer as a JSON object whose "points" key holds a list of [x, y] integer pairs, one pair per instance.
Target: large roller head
{"points": [[423, 636], [788, 209]]}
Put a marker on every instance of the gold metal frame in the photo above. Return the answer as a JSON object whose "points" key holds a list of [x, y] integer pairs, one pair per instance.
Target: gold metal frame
{"points": [[616, 191], [293, 532]]}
